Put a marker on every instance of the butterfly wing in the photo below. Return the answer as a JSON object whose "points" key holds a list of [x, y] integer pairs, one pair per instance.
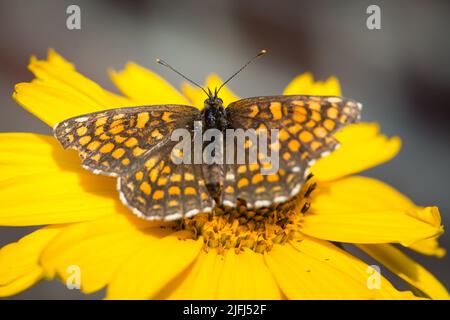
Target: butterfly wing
{"points": [[306, 125], [111, 142], [164, 189], [121, 142]]}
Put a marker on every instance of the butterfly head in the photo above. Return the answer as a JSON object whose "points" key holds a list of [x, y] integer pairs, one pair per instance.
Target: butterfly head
{"points": [[213, 99], [214, 112]]}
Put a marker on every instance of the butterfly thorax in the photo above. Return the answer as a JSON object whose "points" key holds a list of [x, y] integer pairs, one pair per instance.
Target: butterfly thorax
{"points": [[214, 115]]}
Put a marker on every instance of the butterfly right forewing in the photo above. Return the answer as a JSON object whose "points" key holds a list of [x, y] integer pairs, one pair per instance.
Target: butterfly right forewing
{"points": [[306, 125]]}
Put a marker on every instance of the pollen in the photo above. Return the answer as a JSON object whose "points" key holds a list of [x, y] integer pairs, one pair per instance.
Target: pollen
{"points": [[256, 229]]}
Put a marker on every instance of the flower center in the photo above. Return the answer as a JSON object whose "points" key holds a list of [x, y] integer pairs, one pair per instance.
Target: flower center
{"points": [[257, 229]]}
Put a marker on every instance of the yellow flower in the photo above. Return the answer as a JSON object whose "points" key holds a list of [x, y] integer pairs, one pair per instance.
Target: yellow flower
{"points": [[241, 255]]}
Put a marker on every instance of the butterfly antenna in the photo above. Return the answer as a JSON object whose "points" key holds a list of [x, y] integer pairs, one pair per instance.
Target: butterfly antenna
{"points": [[262, 52], [165, 64]]}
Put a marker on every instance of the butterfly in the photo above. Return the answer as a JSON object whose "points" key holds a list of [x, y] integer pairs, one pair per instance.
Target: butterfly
{"points": [[134, 144]]}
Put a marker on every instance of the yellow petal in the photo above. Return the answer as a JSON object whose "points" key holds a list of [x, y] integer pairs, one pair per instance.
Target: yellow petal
{"points": [[198, 97], [331, 87], [30, 153], [22, 283], [55, 73], [245, 276], [92, 229], [57, 197], [361, 147], [199, 281], [429, 247], [407, 269], [19, 268], [301, 276], [146, 272], [98, 248], [55, 59], [60, 92], [352, 266], [195, 95], [143, 86], [41, 183], [304, 84], [233, 276], [364, 210]]}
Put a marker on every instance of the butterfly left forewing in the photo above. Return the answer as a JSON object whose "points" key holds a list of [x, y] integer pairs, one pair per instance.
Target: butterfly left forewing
{"points": [[134, 144], [305, 124], [110, 142]]}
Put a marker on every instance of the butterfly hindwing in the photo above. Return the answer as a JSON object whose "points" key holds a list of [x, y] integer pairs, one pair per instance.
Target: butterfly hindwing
{"points": [[306, 125], [165, 190]]}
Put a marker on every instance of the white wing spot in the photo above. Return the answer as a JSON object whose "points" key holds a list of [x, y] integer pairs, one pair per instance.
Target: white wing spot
{"points": [[295, 190], [262, 203], [334, 99]]}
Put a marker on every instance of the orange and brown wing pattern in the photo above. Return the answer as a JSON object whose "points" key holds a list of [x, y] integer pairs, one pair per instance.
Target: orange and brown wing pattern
{"points": [[115, 141], [306, 125], [134, 145], [165, 190]]}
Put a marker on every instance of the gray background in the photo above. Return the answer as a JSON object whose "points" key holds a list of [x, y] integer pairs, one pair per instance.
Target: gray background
{"points": [[401, 73]]}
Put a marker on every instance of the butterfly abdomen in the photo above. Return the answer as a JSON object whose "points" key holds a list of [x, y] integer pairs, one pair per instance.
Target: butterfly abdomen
{"points": [[214, 117]]}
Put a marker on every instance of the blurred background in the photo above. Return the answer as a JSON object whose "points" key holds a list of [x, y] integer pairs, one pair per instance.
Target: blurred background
{"points": [[401, 73]]}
